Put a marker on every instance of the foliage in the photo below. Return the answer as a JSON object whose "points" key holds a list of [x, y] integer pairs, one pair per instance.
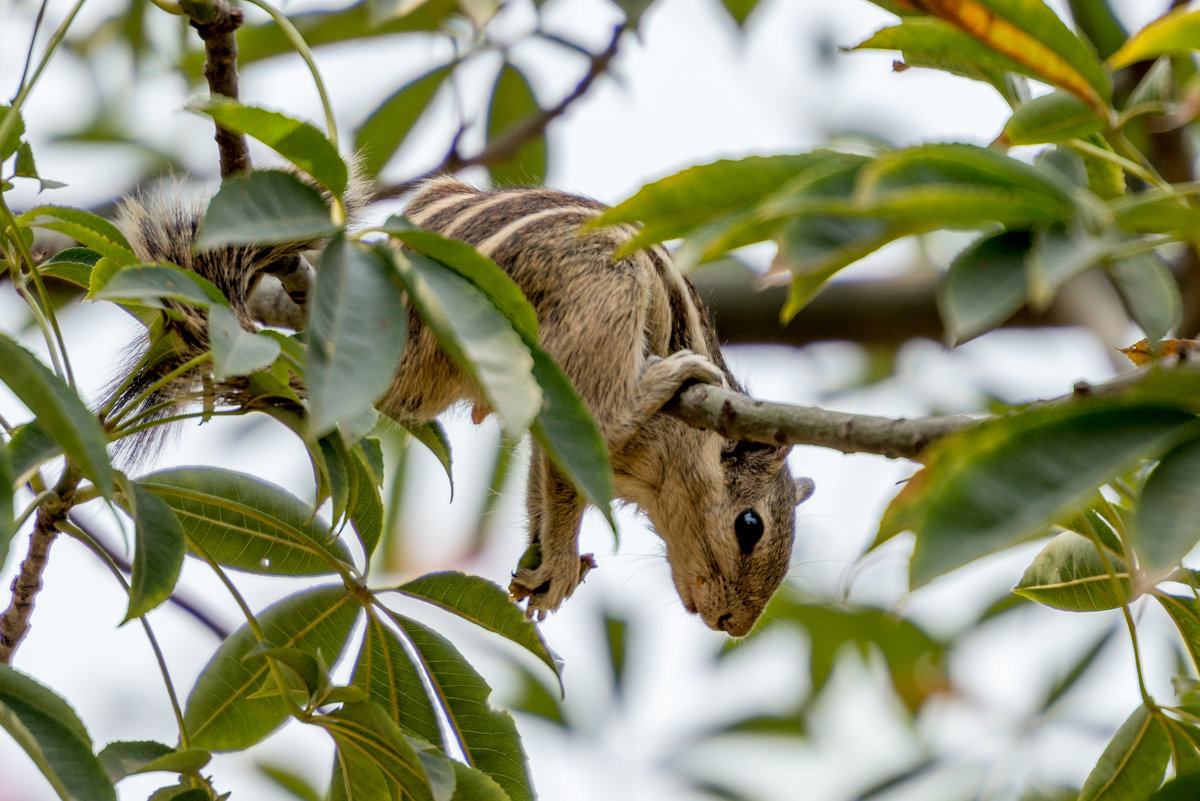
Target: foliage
{"points": [[1083, 192], [1072, 184]]}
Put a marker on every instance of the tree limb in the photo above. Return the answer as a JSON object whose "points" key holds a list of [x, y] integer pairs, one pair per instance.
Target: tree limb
{"points": [[217, 21], [503, 148], [14, 624], [740, 417]]}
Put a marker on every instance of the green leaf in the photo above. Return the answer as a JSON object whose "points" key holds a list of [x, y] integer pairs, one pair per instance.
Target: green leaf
{"points": [[148, 283], [936, 44], [386, 671], [568, 434], [243, 522], [958, 185], [290, 782], [672, 207], [1132, 766], [374, 759], [299, 142], [1166, 523], [984, 286], [430, 434], [86, 228], [994, 483], [264, 206], [472, 784], [12, 139], [30, 446], [1150, 293], [513, 104], [488, 736], [476, 335], [59, 410], [49, 731], [482, 272], [235, 350], [266, 40], [916, 661], [128, 757], [815, 247], [366, 507], [483, 603], [220, 713], [73, 265], [1176, 33], [1055, 117], [386, 128], [1070, 574], [1184, 787], [357, 329], [1060, 253], [1185, 612], [158, 551]]}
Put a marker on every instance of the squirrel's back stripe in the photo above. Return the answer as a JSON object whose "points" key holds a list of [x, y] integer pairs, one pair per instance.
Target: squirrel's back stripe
{"points": [[502, 224]]}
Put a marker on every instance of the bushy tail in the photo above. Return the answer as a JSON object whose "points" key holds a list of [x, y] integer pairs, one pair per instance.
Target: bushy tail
{"points": [[155, 382]]}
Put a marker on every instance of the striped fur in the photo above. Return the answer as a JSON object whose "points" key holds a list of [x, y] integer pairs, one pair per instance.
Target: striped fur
{"points": [[629, 332]]}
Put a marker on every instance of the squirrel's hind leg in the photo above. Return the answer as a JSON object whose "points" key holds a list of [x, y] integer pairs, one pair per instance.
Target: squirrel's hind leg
{"points": [[552, 567]]}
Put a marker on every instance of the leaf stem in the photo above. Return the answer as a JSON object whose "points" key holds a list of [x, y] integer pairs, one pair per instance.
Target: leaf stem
{"points": [[9, 121], [1120, 592], [101, 552], [252, 622], [45, 316]]}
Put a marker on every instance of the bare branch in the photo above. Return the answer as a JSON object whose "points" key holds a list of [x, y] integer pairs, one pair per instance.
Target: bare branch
{"points": [[740, 417], [217, 21], [14, 624], [499, 150], [176, 598]]}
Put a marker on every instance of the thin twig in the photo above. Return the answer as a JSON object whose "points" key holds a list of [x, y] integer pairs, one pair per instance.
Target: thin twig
{"points": [[503, 148], [176, 598]]}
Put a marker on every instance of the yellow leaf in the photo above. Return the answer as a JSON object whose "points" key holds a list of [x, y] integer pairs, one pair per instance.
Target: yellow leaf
{"points": [[1142, 352], [998, 33], [1173, 34]]}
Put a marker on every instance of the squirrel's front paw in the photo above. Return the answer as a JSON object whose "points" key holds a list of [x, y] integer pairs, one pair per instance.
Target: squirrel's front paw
{"points": [[685, 365], [547, 582]]}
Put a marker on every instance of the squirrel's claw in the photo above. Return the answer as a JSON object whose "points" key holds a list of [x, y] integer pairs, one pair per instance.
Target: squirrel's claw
{"points": [[546, 586]]}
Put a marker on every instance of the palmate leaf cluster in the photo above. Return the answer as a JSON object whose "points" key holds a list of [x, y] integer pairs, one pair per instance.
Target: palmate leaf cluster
{"points": [[414, 721], [1072, 183]]}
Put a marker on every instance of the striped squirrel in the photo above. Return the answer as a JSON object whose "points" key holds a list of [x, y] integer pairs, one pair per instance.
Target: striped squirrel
{"points": [[629, 333]]}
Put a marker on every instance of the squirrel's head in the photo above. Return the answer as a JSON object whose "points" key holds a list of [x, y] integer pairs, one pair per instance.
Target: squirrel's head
{"points": [[730, 542]]}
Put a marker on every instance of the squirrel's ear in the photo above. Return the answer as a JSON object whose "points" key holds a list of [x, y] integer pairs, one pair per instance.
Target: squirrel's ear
{"points": [[804, 489], [763, 456]]}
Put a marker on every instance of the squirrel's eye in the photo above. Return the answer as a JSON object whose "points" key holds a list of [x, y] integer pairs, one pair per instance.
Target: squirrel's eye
{"points": [[749, 529]]}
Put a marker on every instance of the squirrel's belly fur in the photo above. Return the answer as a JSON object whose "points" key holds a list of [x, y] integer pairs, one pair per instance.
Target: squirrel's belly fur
{"points": [[629, 332]]}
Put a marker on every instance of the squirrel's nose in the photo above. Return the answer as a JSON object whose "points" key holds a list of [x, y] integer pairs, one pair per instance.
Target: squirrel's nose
{"points": [[723, 621]]}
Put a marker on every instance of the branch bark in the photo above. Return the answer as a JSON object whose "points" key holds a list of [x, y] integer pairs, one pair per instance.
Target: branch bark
{"points": [[14, 624], [217, 22], [736, 416]]}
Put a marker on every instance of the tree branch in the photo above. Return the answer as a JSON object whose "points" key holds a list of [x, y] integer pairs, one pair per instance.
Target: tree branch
{"points": [[503, 148], [740, 417], [217, 21], [736, 416], [14, 624]]}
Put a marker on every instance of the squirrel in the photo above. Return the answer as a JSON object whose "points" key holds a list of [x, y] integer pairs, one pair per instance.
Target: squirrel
{"points": [[629, 332]]}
